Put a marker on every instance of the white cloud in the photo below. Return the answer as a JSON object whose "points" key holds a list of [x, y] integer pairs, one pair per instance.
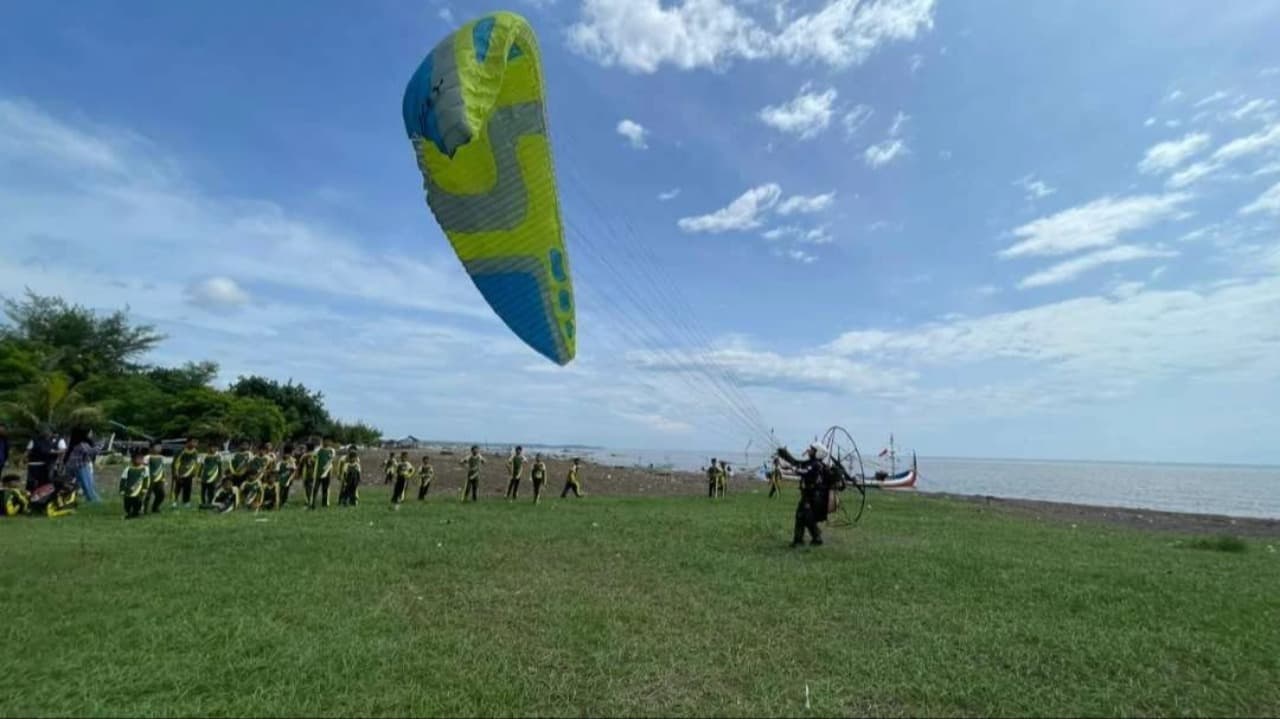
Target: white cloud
{"points": [[669, 194], [1096, 224], [446, 15], [1269, 72], [801, 256], [643, 35], [1149, 122], [1263, 141], [215, 293], [1035, 189], [1268, 202], [634, 132], [1218, 96], [915, 63], [1073, 268], [812, 236], [741, 214], [781, 232], [855, 118], [883, 153], [1166, 156], [817, 236], [806, 205], [805, 116], [1252, 107], [1173, 96], [898, 121], [987, 290], [1172, 124]]}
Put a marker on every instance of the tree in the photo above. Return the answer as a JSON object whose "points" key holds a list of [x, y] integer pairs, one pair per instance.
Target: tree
{"points": [[304, 412], [50, 400], [355, 433], [192, 375], [255, 419], [77, 342]]}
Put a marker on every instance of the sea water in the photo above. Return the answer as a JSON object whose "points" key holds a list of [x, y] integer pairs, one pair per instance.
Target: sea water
{"points": [[1233, 490]]}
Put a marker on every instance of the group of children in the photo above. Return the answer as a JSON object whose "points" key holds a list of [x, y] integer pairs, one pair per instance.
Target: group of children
{"points": [[259, 479], [399, 472]]}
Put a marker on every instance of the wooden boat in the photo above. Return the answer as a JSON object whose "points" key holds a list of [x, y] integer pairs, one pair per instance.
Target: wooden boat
{"points": [[899, 480]]}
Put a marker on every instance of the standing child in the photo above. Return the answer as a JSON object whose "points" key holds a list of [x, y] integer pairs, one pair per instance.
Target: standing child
{"points": [[307, 468], [775, 479], [133, 483], [349, 484], [389, 468], [515, 463], [325, 457], [539, 476], [474, 462], [240, 464], [155, 483], [426, 473], [286, 469], [404, 473], [212, 470], [186, 465], [571, 481], [722, 479], [713, 473]]}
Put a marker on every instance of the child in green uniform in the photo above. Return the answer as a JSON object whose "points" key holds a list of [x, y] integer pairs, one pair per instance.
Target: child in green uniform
{"points": [[226, 499], [426, 473], [571, 481], [212, 470], [713, 478], [240, 464], [349, 488], [539, 476], [307, 468], [404, 473], [474, 462], [155, 482], [389, 468], [325, 457], [255, 471], [270, 492], [515, 463], [775, 479], [186, 465], [722, 479], [15, 499], [286, 469], [133, 484]]}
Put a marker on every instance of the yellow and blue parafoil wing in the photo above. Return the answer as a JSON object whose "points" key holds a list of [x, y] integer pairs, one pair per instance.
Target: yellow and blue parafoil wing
{"points": [[475, 113]]}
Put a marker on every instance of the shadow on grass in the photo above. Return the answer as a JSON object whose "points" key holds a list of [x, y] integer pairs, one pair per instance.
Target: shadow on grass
{"points": [[1216, 544]]}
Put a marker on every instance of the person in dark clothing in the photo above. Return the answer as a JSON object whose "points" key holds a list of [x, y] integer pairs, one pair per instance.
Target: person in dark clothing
{"points": [[4, 445], [349, 486], [814, 491], [41, 456], [404, 472]]}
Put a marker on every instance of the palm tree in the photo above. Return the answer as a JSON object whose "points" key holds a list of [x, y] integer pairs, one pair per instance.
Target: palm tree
{"points": [[50, 400]]}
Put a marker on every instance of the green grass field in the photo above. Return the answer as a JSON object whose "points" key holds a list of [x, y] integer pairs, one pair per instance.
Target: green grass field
{"points": [[648, 606]]}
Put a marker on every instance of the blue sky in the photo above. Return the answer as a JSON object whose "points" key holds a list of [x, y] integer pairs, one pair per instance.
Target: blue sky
{"points": [[995, 229]]}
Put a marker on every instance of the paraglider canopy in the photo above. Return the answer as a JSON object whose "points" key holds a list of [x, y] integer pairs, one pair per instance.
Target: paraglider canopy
{"points": [[475, 113]]}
